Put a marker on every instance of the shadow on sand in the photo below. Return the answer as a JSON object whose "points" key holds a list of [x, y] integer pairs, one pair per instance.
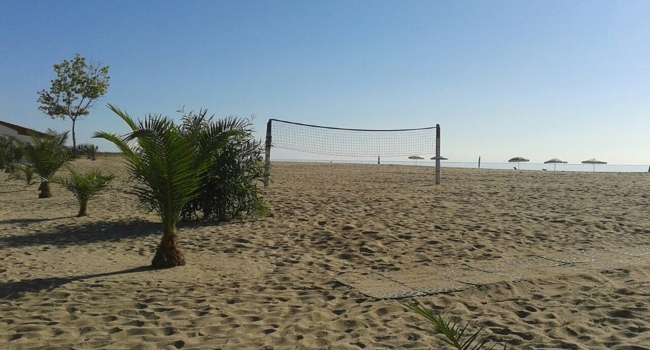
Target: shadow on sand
{"points": [[15, 290], [30, 221], [83, 234]]}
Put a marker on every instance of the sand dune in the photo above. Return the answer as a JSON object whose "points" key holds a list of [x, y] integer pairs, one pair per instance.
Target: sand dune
{"points": [[543, 260]]}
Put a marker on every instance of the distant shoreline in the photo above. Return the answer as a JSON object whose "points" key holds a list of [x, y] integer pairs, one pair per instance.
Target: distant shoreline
{"points": [[606, 168]]}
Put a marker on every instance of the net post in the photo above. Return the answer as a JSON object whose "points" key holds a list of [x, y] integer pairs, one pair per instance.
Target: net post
{"points": [[437, 154], [267, 156]]}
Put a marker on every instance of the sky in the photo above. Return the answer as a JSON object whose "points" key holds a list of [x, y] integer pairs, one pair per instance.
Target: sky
{"points": [[538, 79]]}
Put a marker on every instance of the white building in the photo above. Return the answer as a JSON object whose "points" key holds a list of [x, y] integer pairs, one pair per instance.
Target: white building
{"points": [[19, 132]]}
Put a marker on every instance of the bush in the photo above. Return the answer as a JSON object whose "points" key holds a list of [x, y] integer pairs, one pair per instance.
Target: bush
{"points": [[230, 188], [90, 151], [5, 144], [22, 172], [11, 152]]}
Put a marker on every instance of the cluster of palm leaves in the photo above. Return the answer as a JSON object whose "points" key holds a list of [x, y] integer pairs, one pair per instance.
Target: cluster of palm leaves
{"points": [[454, 334], [169, 165]]}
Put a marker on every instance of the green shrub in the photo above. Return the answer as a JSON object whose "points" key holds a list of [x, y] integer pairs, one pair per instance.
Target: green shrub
{"points": [[22, 172], [11, 152], [89, 150], [230, 186], [5, 144]]}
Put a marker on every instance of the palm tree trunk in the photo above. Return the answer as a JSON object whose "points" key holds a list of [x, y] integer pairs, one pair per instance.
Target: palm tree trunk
{"points": [[168, 254], [45, 190], [83, 209]]}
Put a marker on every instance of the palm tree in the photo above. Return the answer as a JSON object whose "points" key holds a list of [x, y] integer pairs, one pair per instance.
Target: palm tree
{"points": [[84, 186], [47, 154], [167, 168]]}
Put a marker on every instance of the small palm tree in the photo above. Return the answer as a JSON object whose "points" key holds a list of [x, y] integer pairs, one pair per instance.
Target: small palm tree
{"points": [[47, 154], [84, 186], [168, 168]]}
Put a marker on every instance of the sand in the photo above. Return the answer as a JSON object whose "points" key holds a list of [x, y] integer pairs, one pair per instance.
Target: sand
{"points": [[543, 260]]}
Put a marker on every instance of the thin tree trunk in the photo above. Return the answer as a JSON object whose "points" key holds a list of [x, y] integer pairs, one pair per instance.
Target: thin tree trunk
{"points": [[168, 254], [74, 137], [45, 190]]}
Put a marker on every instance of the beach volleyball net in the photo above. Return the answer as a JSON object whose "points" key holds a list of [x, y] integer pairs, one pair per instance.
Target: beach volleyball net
{"points": [[343, 142]]}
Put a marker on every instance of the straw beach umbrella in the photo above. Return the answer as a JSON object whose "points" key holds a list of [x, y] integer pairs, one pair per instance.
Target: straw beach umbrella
{"points": [[416, 158], [593, 161], [441, 158], [555, 162], [517, 160]]}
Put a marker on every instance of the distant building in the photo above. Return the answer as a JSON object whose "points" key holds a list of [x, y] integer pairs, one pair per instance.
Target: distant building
{"points": [[17, 131]]}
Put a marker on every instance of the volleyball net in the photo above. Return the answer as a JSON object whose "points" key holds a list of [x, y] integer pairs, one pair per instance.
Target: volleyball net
{"points": [[333, 141]]}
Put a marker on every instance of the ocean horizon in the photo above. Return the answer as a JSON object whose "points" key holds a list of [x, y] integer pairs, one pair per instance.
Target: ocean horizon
{"points": [[600, 168]]}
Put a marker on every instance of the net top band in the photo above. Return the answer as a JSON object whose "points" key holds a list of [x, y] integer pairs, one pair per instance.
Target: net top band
{"points": [[334, 128]]}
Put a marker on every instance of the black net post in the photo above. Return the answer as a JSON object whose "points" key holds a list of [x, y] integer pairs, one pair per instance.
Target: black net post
{"points": [[267, 156], [438, 154]]}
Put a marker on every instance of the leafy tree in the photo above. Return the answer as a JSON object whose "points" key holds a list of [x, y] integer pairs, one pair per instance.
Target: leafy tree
{"points": [[76, 87], [168, 169], [84, 186], [47, 154]]}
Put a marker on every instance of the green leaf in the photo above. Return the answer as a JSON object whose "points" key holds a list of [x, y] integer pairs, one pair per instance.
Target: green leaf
{"points": [[453, 333]]}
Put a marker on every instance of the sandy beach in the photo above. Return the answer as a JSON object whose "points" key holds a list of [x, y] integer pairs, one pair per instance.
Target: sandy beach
{"points": [[543, 260]]}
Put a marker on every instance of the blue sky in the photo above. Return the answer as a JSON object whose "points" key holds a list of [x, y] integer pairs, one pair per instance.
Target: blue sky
{"points": [[540, 79]]}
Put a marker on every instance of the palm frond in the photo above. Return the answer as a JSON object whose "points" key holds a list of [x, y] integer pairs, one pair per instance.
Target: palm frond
{"points": [[84, 186], [454, 333], [125, 116]]}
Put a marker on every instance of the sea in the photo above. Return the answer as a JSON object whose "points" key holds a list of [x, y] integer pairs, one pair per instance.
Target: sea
{"points": [[607, 168]]}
